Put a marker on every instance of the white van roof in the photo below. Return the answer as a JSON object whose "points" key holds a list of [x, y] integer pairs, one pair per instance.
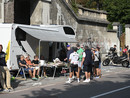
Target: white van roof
{"points": [[54, 33]]}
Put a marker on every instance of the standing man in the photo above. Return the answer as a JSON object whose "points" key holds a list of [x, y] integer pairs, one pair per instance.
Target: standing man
{"points": [[74, 65], [69, 51], [96, 62], [4, 72], [87, 62], [80, 52]]}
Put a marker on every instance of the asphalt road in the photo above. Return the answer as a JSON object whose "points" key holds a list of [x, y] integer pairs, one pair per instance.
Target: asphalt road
{"points": [[115, 83]]}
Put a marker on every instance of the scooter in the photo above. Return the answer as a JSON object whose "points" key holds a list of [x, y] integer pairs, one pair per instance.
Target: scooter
{"points": [[115, 59]]}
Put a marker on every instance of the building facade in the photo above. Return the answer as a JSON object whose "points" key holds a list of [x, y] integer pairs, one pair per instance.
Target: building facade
{"points": [[90, 25]]}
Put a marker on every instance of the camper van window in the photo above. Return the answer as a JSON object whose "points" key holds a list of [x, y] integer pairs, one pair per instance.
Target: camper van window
{"points": [[20, 34], [69, 31]]}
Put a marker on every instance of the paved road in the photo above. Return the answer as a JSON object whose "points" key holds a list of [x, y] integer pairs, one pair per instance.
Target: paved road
{"points": [[115, 83]]}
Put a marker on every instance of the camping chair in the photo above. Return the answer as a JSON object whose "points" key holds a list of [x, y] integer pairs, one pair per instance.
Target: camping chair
{"points": [[21, 69]]}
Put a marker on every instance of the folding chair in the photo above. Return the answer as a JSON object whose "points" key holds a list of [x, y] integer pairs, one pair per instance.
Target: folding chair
{"points": [[21, 69]]}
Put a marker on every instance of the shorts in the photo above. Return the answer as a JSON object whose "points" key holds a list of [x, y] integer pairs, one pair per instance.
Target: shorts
{"points": [[35, 68], [79, 64], [74, 67], [27, 69], [87, 68], [96, 64]]}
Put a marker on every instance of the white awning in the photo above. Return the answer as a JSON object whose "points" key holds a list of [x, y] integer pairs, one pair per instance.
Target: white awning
{"points": [[45, 34]]}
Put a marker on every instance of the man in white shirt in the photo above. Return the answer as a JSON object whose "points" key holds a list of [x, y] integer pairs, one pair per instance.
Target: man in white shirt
{"points": [[74, 65]]}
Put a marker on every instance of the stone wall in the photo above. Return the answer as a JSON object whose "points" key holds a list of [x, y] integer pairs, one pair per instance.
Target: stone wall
{"points": [[89, 32], [85, 12], [9, 12], [2, 11], [36, 8]]}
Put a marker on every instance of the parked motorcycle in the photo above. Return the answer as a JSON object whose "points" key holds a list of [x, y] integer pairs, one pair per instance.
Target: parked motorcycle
{"points": [[115, 59]]}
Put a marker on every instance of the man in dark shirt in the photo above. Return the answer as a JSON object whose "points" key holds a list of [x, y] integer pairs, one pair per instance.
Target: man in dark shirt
{"points": [[87, 62], [4, 72], [69, 51], [114, 50]]}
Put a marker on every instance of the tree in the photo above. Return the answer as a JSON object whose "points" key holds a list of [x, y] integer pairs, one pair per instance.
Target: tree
{"points": [[118, 10]]}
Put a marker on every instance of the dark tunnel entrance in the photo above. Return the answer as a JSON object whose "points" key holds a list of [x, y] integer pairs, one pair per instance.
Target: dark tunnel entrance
{"points": [[22, 11]]}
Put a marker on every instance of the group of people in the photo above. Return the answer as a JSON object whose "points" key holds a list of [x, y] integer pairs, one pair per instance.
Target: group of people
{"points": [[81, 57], [32, 67]]}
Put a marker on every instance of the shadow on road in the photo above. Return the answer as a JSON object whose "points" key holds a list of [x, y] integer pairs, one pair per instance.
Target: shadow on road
{"points": [[85, 90]]}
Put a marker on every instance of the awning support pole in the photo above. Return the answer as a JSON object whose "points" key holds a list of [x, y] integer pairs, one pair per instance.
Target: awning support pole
{"points": [[39, 48]]}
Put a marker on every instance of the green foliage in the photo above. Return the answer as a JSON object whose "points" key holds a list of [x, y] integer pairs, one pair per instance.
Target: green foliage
{"points": [[118, 10], [110, 27], [74, 6]]}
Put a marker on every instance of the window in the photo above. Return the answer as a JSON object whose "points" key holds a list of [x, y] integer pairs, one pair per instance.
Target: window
{"points": [[69, 31]]}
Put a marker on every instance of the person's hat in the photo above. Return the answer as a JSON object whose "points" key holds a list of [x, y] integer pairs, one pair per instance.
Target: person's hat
{"points": [[68, 45]]}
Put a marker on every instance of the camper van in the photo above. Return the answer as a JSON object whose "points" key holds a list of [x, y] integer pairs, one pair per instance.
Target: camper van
{"points": [[44, 40]]}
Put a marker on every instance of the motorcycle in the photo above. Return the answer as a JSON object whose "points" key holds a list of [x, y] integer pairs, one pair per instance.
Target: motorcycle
{"points": [[115, 59]]}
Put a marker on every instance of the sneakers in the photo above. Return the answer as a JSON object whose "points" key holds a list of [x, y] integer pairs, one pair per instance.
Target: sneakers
{"points": [[78, 80], [10, 89], [5, 91], [87, 80], [34, 79], [68, 81], [97, 77], [45, 76], [73, 77], [37, 76]]}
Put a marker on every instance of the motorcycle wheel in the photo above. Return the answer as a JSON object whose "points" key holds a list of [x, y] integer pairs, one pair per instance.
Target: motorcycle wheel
{"points": [[125, 63], [106, 62]]}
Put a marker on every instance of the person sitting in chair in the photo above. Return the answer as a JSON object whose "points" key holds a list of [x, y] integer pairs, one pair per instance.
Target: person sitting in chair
{"points": [[27, 68], [36, 64]]}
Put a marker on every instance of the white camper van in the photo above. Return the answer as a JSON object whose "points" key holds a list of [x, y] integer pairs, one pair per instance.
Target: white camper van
{"points": [[33, 40]]}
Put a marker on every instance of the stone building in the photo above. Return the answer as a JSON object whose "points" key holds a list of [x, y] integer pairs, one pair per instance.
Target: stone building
{"points": [[90, 25]]}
